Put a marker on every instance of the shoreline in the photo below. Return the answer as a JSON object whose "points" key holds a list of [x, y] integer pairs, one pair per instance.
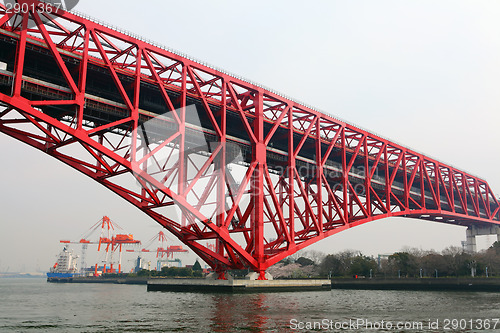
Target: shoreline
{"points": [[420, 284], [98, 279], [416, 284]]}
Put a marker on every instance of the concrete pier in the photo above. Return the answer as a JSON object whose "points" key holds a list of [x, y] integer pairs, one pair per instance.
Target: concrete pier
{"points": [[237, 286]]}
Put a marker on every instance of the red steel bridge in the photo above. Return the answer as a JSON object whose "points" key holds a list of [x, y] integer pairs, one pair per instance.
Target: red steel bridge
{"points": [[242, 175]]}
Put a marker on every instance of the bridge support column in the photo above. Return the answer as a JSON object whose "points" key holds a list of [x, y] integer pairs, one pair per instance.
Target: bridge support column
{"points": [[473, 231], [471, 240], [259, 152]]}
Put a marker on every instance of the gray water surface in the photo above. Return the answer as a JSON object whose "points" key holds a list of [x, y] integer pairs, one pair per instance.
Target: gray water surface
{"points": [[33, 305]]}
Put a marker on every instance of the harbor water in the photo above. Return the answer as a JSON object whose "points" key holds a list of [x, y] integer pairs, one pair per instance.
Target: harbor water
{"points": [[33, 305]]}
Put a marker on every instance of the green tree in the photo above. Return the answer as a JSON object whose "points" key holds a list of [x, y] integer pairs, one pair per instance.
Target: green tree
{"points": [[458, 262], [432, 262], [197, 266], [496, 247], [361, 265], [144, 272], [176, 271], [403, 262], [303, 261], [331, 265], [491, 259], [340, 264]]}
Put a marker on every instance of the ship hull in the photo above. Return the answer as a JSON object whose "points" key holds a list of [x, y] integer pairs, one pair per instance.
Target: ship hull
{"points": [[60, 277]]}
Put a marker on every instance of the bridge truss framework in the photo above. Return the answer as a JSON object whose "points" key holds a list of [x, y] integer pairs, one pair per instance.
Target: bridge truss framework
{"points": [[209, 156]]}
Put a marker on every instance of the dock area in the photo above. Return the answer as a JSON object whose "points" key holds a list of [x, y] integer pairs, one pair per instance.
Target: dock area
{"points": [[237, 286], [100, 279]]}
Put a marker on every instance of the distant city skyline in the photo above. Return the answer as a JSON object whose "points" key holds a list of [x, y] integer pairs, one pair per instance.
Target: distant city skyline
{"points": [[422, 73]]}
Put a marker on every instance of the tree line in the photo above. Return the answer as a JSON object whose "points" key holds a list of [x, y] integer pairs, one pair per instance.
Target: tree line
{"points": [[411, 263], [195, 272]]}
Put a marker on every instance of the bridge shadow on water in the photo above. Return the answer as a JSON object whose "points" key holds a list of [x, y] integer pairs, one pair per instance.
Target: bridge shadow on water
{"points": [[232, 312], [251, 312]]}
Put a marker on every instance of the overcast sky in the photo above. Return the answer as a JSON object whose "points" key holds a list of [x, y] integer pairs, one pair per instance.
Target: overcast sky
{"points": [[425, 74]]}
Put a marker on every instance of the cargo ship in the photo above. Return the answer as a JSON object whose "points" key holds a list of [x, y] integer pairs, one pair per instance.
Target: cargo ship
{"points": [[65, 267]]}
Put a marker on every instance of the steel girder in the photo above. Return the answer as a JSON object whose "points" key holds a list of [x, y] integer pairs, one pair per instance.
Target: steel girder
{"points": [[240, 174]]}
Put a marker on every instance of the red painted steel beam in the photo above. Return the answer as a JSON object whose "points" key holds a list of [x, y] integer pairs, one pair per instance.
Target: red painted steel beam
{"points": [[298, 175]]}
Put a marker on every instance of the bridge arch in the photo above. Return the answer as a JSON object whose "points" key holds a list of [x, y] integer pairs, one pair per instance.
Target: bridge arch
{"points": [[254, 173]]}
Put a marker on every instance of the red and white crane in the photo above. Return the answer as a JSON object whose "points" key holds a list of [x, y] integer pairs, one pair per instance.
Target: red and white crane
{"points": [[164, 253], [112, 242]]}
